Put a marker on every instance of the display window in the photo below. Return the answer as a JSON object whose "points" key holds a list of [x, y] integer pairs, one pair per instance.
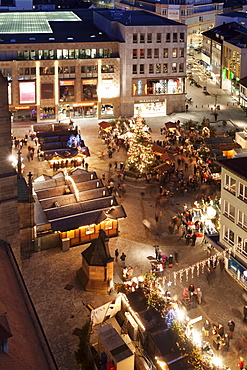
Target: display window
{"points": [[158, 87], [107, 109], [89, 90], [27, 92], [67, 90], [47, 113]]}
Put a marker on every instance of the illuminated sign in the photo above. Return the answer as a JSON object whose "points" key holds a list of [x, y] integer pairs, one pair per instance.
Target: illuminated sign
{"points": [[89, 82], [27, 92], [66, 83], [22, 108], [83, 105]]}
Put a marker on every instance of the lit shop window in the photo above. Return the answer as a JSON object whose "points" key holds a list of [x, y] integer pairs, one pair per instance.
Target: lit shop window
{"points": [[108, 225], [89, 229]]}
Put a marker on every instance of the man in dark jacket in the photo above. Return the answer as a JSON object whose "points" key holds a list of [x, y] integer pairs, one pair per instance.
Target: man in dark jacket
{"points": [[231, 327]]}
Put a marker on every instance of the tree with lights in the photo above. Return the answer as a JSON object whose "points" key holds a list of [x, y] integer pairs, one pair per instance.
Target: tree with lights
{"points": [[141, 158]]}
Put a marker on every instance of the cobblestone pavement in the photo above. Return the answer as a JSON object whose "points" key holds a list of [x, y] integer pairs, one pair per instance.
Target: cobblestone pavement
{"points": [[50, 275]]}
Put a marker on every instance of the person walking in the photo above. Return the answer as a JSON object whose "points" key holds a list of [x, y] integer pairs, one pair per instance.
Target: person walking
{"points": [[116, 255], [86, 166], [123, 258], [245, 312], [194, 299], [199, 296], [156, 248], [206, 328], [231, 327], [175, 256], [241, 363]]}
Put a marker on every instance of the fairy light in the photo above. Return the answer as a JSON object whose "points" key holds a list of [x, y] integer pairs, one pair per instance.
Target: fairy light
{"points": [[133, 313], [75, 190]]}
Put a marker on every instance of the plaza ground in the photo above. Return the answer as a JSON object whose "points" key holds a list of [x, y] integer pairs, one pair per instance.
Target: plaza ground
{"points": [[50, 275]]}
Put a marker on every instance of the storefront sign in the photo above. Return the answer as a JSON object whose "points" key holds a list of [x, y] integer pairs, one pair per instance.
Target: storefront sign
{"points": [[89, 82], [83, 104], [151, 101], [67, 83], [22, 108]]}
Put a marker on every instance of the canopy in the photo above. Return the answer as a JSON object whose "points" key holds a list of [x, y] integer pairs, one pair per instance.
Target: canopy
{"points": [[163, 167], [105, 125]]}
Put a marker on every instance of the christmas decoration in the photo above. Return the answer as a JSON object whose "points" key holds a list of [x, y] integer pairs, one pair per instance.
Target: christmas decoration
{"points": [[141, 158]]}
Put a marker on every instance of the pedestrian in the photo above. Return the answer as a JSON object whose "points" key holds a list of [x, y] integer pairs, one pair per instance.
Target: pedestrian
{"points": [[206, 328], [116, 254], [222, 264], [86, 166], [199, 296], [241, 363], [103, 177], [123, 258], [156, 248], [194, 299], [231, 327], [220, 330], [156, 216], [110, 166], [245, 312], [175, 256], [193, 240], [170, 261]]}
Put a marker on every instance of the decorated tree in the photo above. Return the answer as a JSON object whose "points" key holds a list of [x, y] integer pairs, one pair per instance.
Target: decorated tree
{"points": [[140, 155]]}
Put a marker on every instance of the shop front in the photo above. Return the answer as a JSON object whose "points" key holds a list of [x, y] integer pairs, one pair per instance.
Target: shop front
{"points": [[23, 113], [150, 107], [77, 110]]}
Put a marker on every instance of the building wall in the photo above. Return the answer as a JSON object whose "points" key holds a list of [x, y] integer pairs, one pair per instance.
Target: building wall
{"points": [[128, 61], [9, 217], [233, 231]]}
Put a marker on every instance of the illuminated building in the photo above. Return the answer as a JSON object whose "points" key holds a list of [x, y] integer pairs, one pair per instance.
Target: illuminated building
{"points": [[198, 16], [92, 63]]}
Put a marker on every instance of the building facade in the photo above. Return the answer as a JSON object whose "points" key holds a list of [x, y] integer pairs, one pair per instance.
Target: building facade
{"points": [[198, 16], [92, 63], [233, 230], [225, 50]]}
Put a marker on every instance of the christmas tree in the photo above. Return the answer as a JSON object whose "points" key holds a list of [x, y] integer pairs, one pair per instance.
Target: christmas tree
{"points": [[140, 155]]}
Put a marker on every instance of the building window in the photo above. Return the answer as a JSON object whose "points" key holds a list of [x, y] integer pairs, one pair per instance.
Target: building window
{"points": [[242, 245], [175, 37], [46, 70], [229, 211], [163, 11], [105, 68], [230, 184], [134, 69], [151, 68], [134, 53], [158, 38], [174, 52], [165, 53], [149, 38], [165, 68], [149, 53], [228, 235], [141, 69], [181, 52], [142, 54], [242, 192], [142, 38], [168, 37], [200, 19], [174, 67], [134, 38], [242, 220], [158, 68], [181, 38], [108, 225], [181, 67], [156, 53]]}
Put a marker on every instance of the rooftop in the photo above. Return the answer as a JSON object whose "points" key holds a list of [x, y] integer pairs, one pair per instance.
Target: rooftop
{"points": [[50, 27], [236, 165], [136, 18], [27, 345]]}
